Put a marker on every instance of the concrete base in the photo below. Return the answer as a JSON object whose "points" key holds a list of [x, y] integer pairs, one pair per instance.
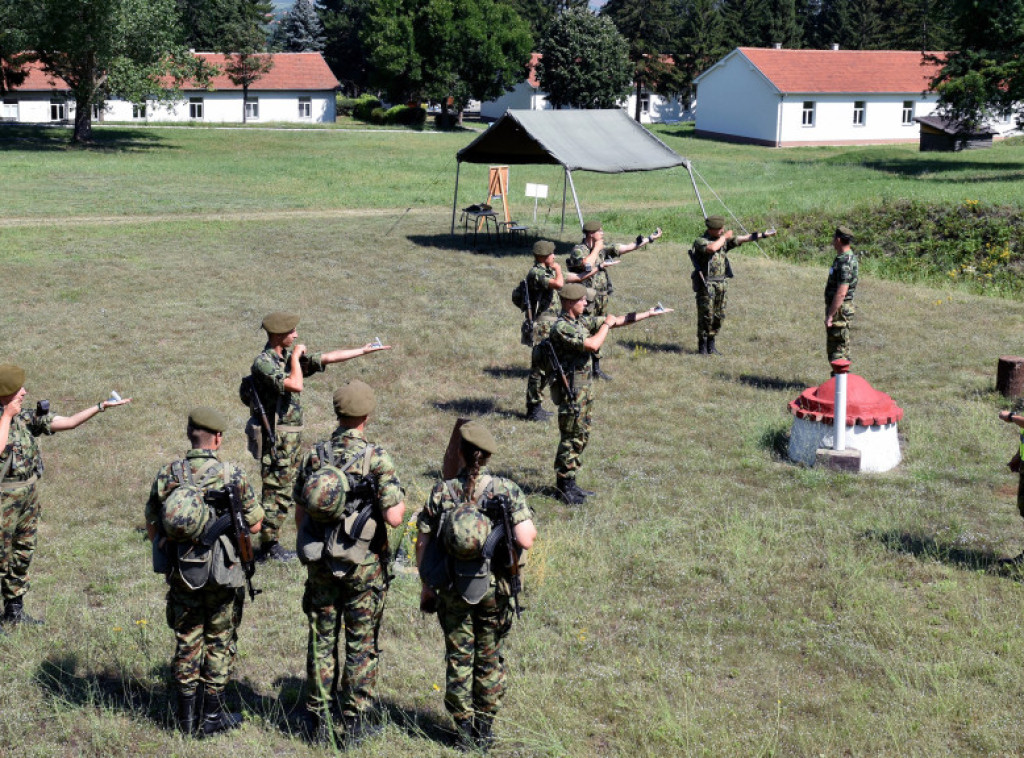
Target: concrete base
{"points": [[879, 445], [838, 460]]}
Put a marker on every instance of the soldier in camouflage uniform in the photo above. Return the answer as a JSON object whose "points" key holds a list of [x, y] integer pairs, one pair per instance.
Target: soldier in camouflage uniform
{"points": [[205, 619], [593, 257], [21, 465], [839, 290], [351, 603], [711, 272], [474, 632], [1016, 418], [278, 373], [575, 337], [543, 280]]}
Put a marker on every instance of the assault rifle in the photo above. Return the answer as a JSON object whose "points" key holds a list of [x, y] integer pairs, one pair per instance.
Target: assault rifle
{"points": [[563, 380], [257, 407], [238, 530], [514, 578]]}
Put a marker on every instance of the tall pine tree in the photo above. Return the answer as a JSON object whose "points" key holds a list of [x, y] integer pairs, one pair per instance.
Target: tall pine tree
{"points": [[300, 30]]}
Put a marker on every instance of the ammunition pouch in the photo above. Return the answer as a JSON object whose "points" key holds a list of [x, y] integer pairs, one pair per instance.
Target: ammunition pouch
{"points": [[162, 563], [217, 564], [526, 333], [343, 544]]}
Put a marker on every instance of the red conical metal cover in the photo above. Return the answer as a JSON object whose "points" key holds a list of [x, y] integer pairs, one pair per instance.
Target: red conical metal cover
{"points": [[865, 406]]}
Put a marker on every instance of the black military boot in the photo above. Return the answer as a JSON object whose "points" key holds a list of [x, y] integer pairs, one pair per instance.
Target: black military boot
{"points": [[569, 493], [14, 614], [702, 345], [318, 729], [598, 373], [215, 718], [483, 734], [359, 729], [465, 732], [711, 347], [536, 413], [187, 714], [275, 552]]}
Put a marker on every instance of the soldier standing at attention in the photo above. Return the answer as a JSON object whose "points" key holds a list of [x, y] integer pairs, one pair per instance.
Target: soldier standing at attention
{"points": [[343, 542], [21, 465], [205, 595], [544, 279], [278, 373], [471, 590], [839, 289], [711, 272], [575, 337], [593, 256]]}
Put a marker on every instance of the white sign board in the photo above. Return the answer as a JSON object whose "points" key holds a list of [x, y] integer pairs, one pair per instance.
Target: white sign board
{"points": [[537, 190]]}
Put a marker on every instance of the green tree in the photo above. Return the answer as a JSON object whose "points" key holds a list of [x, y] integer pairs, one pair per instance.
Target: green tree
{"points": [[108, 47], [244, 44], [440, 49], [13, 44], [585, 62], [650, 28], [540, 13], [854, 24], [344, 26], [701, 41], [204, 21], [300, 29], [985, 75]]}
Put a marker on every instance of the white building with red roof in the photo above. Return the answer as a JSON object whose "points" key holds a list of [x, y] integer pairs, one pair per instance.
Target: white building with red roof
{"points": [[785, 98], [299, 88]]}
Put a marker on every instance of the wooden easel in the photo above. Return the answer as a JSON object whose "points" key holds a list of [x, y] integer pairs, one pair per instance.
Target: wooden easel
{"points": [[497, 186]]}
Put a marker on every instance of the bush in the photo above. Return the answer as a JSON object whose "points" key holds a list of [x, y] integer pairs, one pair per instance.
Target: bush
{"points": [[345, 105], [378, 116], [406, 115], [364, 107], [447, 120]]}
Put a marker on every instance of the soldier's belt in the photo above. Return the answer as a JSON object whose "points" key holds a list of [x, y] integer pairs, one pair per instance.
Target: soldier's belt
{"points": [[288, 428], [16, 484], [716, 279]]}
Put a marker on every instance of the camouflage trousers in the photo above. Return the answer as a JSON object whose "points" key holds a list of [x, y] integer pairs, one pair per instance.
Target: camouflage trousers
{"points": [[19, 520], [711, 304], [278, 469], [357, 603], [1020, 492], [837, 336], [205, 624], [573, 429], [473, 635], [540, 366]]}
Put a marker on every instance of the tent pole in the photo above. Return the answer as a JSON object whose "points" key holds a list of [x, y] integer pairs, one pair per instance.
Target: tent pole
{"points": [[564, 189], [693, 181], [579, 213], [455, 200]]}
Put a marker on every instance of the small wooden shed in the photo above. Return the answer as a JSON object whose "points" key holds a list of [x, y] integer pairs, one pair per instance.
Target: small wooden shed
{"points": [[943, 135]]}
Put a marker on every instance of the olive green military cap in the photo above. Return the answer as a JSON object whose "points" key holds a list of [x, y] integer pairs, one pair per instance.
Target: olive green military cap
{"points": [[280, 322], [210, 419], [543, 248], [12, 379], [573, 291], [843, 232], [714, 222], [476, 434], [355, 398], [592, 226]]}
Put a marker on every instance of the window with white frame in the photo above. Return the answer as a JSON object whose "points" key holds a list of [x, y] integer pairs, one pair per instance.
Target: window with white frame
{"points": [[252, 107], [58, 110], [195, 108], [9, 111], [858, 112], [908, 112], [808, 113], [305, 107], [138, 111], [645, 103]]}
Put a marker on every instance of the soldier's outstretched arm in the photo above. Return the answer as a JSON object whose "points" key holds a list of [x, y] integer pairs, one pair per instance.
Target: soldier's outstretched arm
{"points": [[614, 322], [640, 242], [64, 423], [343, 354]]}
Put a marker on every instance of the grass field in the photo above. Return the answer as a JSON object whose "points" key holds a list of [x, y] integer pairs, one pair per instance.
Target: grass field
{"points": [[712, 600]]}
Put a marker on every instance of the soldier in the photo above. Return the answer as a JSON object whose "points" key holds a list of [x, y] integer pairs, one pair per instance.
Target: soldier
{"points": [[593, 255], [343, 542], [839, 290], [543, 280], [278, 373], [192, 546], [711, 271], [469, 580], [21, 465], [574, 338], [1016, 418]]}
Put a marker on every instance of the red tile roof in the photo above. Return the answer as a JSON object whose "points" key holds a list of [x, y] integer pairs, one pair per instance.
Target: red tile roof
{"points": [[844, 70], [291, 71]]}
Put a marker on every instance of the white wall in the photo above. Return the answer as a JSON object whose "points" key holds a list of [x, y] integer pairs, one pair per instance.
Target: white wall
{"points": [[526, 97], [833, 118], [735, 99]]}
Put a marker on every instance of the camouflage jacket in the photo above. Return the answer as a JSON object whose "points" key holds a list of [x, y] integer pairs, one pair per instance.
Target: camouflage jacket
{"points": [[22, 445], [269, 372], [844, 271], [165, 483], [567, 337], [711, 263], [599, 281], [542, 298]]}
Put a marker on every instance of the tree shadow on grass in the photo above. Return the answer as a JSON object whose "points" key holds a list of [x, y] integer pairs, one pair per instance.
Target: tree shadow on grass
{"points": [[932, 169], [926, 546], [473, 407], [53, 139], [655, 347], [767, 382], [508, 372], [467, 243]]}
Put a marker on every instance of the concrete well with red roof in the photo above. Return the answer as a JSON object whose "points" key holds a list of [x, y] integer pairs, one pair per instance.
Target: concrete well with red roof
{"points": [[871, 424]]}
